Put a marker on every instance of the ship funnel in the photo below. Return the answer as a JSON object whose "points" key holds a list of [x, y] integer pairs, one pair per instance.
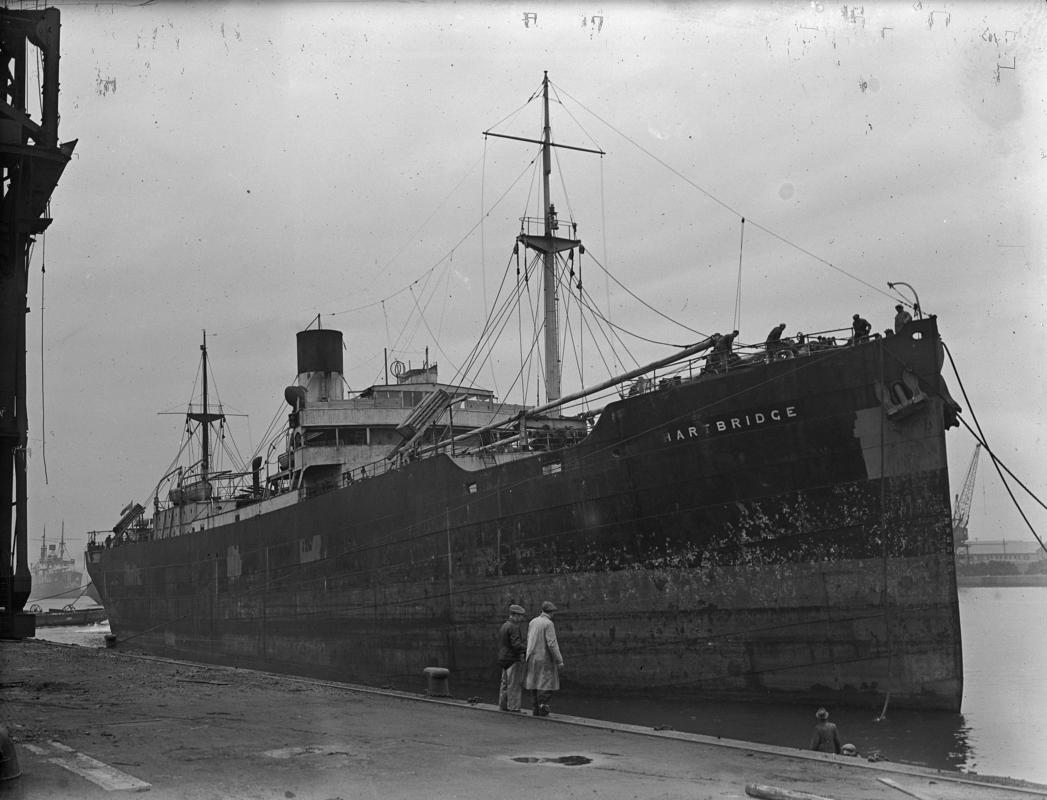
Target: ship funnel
{"points": [[320, 364]]}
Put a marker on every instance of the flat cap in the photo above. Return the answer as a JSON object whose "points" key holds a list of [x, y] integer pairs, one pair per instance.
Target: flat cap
{"points": [[515, 609], [547, 606]]}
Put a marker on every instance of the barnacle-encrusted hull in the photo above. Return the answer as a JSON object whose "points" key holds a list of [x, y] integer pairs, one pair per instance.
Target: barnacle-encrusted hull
{"points": [[779, 531]]}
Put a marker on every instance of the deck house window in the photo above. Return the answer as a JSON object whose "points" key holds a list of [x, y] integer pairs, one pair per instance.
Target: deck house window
{"points": [[320, 437], [349, 436]]}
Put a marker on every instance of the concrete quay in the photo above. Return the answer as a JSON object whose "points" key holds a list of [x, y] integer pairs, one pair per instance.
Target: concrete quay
{"points": [[95, 723]]}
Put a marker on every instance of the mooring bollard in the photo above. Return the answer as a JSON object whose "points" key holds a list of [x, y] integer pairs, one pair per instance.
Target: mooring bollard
{"points": [[437, 681]]}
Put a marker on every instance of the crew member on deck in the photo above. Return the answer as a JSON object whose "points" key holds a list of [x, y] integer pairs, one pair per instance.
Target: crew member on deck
{"points": [[721, 352], [861, 329], [774, 340], [902, 318]]}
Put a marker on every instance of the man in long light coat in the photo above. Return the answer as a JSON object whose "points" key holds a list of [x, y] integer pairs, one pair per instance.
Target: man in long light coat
{"points": [[544, 661]]}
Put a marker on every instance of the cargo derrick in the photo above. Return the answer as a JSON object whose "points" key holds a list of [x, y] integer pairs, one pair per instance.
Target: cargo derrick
{"points": [[31, 160]]}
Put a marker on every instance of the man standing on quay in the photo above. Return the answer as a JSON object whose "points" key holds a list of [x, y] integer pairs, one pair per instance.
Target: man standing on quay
{"points": [[544, 661], [511, 653]]}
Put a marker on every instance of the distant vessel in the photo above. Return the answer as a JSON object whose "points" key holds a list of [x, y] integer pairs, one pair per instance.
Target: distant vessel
{"points": [[771, 523], [55, 576]]}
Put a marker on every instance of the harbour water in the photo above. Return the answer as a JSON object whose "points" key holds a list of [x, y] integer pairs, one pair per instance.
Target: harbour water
{"points": [[1000, 731]]}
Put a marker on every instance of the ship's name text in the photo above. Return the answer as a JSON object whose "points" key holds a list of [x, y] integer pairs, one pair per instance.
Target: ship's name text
{"points": [[750, 419]]}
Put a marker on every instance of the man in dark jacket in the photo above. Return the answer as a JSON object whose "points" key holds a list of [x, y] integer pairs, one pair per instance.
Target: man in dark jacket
{"points": [[825, 738], [901, 319], [774, 341], [861, 328], [511, 652]]}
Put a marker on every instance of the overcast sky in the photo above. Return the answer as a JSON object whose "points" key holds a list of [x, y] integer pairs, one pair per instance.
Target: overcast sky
{"points": [[242, 168]]}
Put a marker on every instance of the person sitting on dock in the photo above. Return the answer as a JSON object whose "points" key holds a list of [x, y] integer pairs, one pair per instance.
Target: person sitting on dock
{"points": [[825, 739]]}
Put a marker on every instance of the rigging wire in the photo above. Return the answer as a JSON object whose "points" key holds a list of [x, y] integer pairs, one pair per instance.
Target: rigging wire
{"points": [[727, 206], [586, 302], [980, 437], [483, 253], [642, 301], [498, 317], [519, 326], [534, 356], [43, 395], [425, 277], [603, 234], [576, 121], [454, 247], [612, 329], [738, 289], [234, 455], [610, 370]]}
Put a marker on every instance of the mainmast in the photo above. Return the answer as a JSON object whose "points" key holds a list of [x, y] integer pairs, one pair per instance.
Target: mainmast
{"points": [[548, 244]]}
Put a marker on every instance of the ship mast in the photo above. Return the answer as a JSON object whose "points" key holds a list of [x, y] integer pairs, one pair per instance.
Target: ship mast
{"points": [[205, 418], [549, 245], [549, 287]]}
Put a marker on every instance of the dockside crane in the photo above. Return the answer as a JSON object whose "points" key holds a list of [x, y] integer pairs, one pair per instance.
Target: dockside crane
{"points": [[962, 507], [31, 162]]}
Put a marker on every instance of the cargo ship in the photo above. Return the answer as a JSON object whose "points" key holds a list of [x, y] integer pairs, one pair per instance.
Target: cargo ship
{"points": [[768, 523]]}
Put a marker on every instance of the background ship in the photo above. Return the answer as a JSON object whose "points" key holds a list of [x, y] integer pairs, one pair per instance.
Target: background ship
{"points": [[765, 523], [55, 576]]}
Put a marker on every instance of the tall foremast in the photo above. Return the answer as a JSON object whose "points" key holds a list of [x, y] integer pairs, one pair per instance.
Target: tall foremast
{"points": [[550, 290], [548, 243]]}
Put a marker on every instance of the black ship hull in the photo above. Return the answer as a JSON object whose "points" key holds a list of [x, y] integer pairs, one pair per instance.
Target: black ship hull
{"points": [[772, 532]]}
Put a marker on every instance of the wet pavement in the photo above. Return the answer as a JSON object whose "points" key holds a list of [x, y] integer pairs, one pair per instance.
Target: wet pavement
{"points": [[88, 723]]}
